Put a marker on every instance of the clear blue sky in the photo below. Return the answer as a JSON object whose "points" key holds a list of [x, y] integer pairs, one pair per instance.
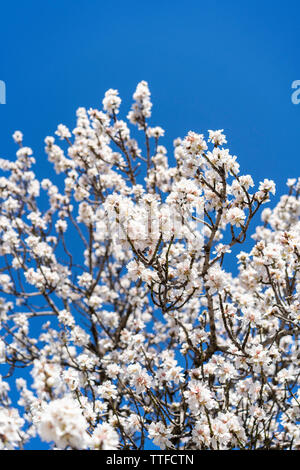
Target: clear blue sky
{"points": [[214, 64]]}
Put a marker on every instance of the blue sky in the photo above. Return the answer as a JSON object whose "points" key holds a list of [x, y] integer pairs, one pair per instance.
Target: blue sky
{"points": [[214, 64]]}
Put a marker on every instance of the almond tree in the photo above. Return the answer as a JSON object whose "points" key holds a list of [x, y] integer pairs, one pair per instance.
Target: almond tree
{"points": [[116, 309]]}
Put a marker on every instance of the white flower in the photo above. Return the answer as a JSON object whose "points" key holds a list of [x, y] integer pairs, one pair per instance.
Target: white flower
{"points": [[194, 144], [24, 152], [95, 301], [267, 186], [235, 216], [10, 428], [201, 434], [141, 108], [199, 396], [62, 422], [18, 137], [139, 379], [155, 132], [66, 318], [290, 182], [104, 438], [160, 435], [62, 132], [217, 137], [107, 390], [111, 101]]}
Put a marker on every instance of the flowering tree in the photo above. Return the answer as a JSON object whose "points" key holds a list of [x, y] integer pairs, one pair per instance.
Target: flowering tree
{"points": [[145, 339]]}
